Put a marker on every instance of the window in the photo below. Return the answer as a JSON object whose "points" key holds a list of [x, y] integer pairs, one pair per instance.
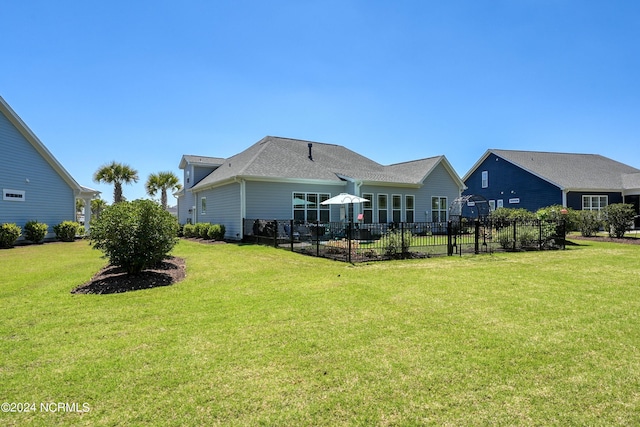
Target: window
{"points": [[492, 205], [500, 203], [485, 179], [396, 206], [594, 203], [203, 205], [13, 195], [307, 207], [409, 205], [382, 208], [367, 208], [438, 209]]}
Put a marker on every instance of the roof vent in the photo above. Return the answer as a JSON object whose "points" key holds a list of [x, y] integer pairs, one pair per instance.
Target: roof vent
{"points": [[310, 155]]}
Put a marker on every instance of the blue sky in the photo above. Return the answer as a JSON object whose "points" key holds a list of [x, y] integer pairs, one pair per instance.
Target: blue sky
{"points": [[143, 82]]}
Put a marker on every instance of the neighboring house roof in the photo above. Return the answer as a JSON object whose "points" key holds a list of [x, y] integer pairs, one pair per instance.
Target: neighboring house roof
{"points": [[200, 160], [631, 181], [568, 171], [275, 158], [22, 127]]}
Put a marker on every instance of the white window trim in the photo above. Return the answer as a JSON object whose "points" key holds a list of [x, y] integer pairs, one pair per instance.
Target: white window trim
{"points": [[406, 206], [386, 209], [13, 195], [393, 209], [485, 179], [203, 205], [594, 196]]}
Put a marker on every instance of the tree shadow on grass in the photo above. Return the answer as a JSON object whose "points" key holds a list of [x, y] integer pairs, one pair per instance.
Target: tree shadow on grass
{"points": [[113, 280]]}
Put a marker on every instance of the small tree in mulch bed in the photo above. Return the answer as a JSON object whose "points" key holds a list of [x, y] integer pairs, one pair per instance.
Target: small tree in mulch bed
{"points": [[134, 235]]}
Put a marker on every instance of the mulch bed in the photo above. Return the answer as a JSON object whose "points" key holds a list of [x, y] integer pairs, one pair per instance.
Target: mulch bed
{"points": [[626, 240], [113, 280]]}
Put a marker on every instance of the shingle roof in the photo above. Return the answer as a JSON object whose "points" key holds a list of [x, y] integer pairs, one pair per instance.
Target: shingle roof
{"points": [[200, 160], [571, 171], [285, 158]]}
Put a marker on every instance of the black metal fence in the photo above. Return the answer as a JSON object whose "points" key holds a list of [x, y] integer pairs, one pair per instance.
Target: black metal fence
{"points": [[356, 242]]}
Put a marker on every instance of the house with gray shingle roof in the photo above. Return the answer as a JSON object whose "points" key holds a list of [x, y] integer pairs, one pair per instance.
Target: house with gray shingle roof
{"points": [[532, 179], [283, 178]]}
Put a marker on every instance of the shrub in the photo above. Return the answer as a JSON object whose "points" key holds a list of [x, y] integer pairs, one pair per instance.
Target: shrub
{"points": [[397, 243], [216, 232], [35, 231], [528, 236], [617, 218], [506, 215], [67, 230], [589, 223], [554, 213], [134, 235], [9, 233], [189, 230], [201, 229]]}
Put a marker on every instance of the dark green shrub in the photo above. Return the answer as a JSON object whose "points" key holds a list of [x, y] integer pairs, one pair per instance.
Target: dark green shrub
{"points": [[9, 233], [559, 212], [35, 231], [189, 230], [589, 223], [216, 232], [134, 235], [67, 230], [201, 229], [617, 218]]}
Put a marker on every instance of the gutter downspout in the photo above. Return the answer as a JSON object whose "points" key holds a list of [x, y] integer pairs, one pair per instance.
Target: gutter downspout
{"points": [[243, 203]]}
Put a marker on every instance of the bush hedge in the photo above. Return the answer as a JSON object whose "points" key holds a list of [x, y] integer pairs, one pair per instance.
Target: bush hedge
{"points": [[35, 231], [68, 230], [134, 235], [9, 233]]}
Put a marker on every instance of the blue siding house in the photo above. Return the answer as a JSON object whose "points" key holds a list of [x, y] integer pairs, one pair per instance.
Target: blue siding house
{"points": [[283, 178], [532, 180], [35, 186]]}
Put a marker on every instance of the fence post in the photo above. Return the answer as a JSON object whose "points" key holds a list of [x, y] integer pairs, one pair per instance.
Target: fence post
{"points": [[449, 244], [477, 236], [291, 233], [275, 233], [317, 238], [515, 234], [404, 253], [349, 237], [563, 228], [540, 234]]}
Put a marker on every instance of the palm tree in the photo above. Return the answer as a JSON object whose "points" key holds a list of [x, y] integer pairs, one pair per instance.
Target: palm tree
{"points": [[162, 181], [116, 174], [97, 206]]}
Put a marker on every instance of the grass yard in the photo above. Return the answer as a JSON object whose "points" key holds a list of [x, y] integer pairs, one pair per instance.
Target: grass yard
{"points": [[260, 336]]}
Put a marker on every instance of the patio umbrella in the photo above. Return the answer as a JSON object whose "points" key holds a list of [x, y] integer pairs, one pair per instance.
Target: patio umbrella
{"points": [[344, 198], [298, 201]]}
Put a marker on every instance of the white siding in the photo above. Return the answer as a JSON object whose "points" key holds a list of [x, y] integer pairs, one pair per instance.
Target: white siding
{"points": [[48, 197]]}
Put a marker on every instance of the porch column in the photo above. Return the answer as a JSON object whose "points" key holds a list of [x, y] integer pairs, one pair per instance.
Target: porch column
{"points": [[87, 213]]}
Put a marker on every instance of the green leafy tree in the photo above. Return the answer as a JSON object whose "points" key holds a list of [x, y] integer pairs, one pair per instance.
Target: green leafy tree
{"points": [[116, 174], [617, 218], [162, 182], [134, 235]]}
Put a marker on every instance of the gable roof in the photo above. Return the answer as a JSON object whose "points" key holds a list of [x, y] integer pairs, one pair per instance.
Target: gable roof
{"points": [[276, 158], [568, 171], [24, 130], [200, 160]]}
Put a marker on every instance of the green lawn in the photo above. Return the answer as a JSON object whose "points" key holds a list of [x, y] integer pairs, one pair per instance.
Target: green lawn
{"points": [[260, 336]]}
